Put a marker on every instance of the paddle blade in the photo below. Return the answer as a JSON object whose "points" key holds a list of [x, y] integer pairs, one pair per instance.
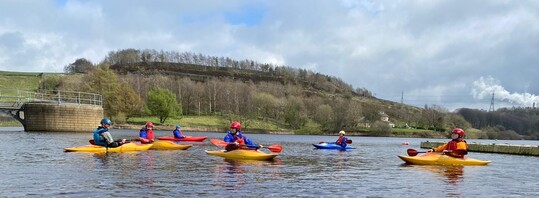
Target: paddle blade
{"points": [[349, 141], [218, 142], [411, 152], [275, 148], [321, 142]]}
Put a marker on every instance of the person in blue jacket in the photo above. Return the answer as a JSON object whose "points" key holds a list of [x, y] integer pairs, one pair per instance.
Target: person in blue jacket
{"points": [[235, 137], [103, 137], [342, 139], [178, 132]]}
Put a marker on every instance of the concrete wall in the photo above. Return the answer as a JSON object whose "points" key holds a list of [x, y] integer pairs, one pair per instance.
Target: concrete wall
{"points": [[62, 117], [493, 148]]}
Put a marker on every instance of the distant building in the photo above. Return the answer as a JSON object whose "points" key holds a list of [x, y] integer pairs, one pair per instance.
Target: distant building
{"points": [[385, 118]]}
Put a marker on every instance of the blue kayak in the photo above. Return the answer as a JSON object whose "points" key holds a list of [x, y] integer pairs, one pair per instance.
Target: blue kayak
{"points": [[331, 145]]}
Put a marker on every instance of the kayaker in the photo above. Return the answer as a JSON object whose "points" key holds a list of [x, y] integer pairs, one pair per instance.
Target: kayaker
{"points": [[235, 137], [342, 139], [103, 137], [146, 134], [457, 147], [178, 132]]}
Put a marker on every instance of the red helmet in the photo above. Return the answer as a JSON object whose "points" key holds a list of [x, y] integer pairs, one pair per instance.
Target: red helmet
{"points": [[459, 131], [149, 124], [235, 125]]}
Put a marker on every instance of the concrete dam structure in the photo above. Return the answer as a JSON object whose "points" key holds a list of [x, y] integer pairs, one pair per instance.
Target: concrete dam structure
{"points": [[61, 117], [53, 112]]}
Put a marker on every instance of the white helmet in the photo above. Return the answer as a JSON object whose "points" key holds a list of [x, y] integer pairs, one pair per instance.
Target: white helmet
{"points": [[342, 132]]}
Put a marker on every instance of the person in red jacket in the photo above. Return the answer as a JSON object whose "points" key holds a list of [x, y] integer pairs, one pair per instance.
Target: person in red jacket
{"points": [[342, 139], [457, 147], [146, 134]]}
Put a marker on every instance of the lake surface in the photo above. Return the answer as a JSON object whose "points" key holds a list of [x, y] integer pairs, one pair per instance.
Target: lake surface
{"points": [[35, 165]]}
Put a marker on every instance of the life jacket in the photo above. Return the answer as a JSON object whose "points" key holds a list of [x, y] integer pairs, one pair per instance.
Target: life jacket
{"points": [[98, 139], [239, 140], [147, 134], [452, 145], [339, 141], [151, 135]]}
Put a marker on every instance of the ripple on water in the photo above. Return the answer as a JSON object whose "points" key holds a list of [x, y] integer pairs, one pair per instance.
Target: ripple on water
{"points": [[34, 164]]}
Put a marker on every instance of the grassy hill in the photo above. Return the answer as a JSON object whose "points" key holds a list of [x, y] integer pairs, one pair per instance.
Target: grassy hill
{"points": [[31, 81], [19, 80]]}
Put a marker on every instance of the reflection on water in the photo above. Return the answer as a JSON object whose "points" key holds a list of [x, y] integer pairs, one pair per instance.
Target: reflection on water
{"points": [[234, 174], [34, 164], [449, 174]]}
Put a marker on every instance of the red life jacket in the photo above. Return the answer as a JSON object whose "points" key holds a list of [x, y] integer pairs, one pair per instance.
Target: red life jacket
{"points": [[150, 135], [239, 140], [452, 145], [339, 141]]}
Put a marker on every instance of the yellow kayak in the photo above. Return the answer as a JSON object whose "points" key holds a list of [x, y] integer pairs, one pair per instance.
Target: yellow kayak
{"points": [[433, 158], [243, 154], [101, 149], [169, 145]]}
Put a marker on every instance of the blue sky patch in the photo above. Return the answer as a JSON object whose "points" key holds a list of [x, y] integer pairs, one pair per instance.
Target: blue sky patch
{"points": [[247, 16]]}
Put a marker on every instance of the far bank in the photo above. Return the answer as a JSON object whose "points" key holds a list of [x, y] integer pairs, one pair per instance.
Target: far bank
{"points": [[220, 124]]}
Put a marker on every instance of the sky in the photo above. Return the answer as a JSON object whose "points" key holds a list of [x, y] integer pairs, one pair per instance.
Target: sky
{"points": [[452, 54]]}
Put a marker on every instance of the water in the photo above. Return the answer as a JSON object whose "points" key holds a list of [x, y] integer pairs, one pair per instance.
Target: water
{"points": [[35, 165]]}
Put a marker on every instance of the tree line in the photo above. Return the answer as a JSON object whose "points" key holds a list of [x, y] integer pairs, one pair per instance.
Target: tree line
{"points": [[505, 123], [321, 101], [135, 56]]}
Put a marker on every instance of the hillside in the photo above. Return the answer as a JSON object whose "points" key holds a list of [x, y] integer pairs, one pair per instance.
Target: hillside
{"points": [[288, 98], [312, 89], [312, 85], [201, 73], [19, 80]]}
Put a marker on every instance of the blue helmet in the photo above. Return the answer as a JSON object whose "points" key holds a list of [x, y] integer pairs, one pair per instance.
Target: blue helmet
{"points": [[106, 121], [178, 126]]}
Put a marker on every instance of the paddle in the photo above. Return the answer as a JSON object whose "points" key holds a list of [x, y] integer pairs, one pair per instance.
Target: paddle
{"points": [[217, 142], [413, 152], [348, 141]]}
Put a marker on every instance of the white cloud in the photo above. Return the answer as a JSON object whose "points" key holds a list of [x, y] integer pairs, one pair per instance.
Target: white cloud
{"points": [[432, 50]]}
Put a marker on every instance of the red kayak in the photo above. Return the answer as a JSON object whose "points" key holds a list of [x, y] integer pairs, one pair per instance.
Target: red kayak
{"points": [[186, 138]]}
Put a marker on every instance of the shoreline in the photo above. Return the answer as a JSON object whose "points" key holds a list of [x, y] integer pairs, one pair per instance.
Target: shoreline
{"points": [[200, 128], [437, 135]]}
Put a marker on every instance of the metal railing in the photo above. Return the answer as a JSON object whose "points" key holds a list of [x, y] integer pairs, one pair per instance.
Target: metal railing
{"points": [[19, 97]]}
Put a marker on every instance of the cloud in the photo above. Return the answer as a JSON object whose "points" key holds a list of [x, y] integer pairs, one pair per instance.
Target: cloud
{"points": [[485, 87], [433, 51]]}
